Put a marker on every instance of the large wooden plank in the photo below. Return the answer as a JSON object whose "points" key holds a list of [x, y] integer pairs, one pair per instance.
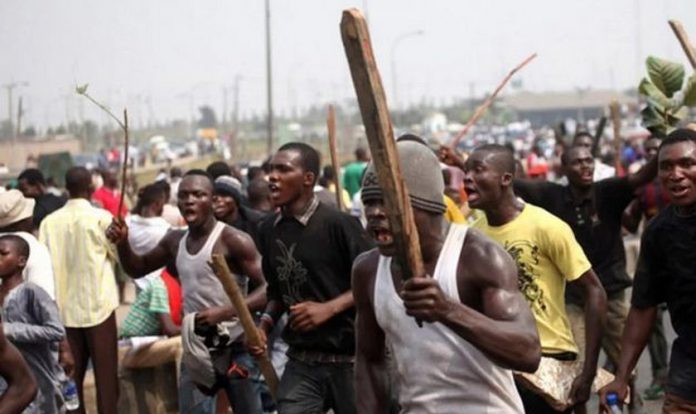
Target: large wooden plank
{"points": [[380, 135]]}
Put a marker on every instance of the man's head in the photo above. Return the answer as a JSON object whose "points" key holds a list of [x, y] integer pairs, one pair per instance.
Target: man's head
{"points": [[16, 212], [259, 195], [488, 175], [583, 139], [294, 170], [362, 154], [254, 173], [14, 252], [677, 167], [176, 172], [78, 182], [227, 197], [578, 165], [420, 169], [218, 169], [195, 198], [110, 178], [151, 200], [651, 146], [31, 183]]}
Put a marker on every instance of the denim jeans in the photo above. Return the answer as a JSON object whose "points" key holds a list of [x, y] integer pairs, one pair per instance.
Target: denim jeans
{"points": [[311, 388], [243, 393]]}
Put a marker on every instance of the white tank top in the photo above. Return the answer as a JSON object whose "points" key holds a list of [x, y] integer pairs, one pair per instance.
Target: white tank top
{"points": [[436, 370], [200, 288]]}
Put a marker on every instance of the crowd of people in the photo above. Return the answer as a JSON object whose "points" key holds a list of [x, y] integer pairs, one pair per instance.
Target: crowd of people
{"points": [[525, 281]]}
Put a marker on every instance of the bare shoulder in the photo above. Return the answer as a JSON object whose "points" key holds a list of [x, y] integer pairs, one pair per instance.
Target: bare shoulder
{"points": [[171, 239], [487, 262], [364, 271], [236, 241]]}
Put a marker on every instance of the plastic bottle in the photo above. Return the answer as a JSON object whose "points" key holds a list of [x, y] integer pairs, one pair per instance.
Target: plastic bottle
{"points": [[72, 400], [613, 403]]}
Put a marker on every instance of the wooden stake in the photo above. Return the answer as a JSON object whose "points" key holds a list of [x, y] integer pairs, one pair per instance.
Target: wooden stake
{"points": [[378, 128], [219, 265], [125, 163], [598, 135], [683, 38], [615, 113], [487, 103], [331, 125]]}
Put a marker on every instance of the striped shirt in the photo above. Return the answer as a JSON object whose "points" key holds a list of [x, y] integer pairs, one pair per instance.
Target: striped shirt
{"points": [[83, 263], [143, 317]]}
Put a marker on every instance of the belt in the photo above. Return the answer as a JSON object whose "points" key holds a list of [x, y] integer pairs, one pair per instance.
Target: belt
{"points": [[320, 357]]}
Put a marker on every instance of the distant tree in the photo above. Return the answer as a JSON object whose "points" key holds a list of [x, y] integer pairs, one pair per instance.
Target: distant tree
{"points": [[29, 132], [61, 130], [208, 118]]}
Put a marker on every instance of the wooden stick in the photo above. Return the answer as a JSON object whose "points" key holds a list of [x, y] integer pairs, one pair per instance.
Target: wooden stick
{"points": [[615, 113], [219, 265], [487, 103], [125, 163], [331, 125], [683, 38], [380, 135], [598, 135]]}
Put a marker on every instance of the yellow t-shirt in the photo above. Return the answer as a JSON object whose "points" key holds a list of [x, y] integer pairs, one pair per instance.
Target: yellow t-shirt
{"points": [[453, 214], [547, 256]]}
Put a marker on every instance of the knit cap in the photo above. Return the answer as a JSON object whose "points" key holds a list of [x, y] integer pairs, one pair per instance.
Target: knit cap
{"points": [[422, 176]]}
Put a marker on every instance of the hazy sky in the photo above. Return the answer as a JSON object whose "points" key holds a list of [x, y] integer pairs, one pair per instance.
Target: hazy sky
{"points": [[161, 56]]}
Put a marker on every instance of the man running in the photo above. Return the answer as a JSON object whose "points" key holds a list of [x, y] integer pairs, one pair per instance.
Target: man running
{"points": [[190, 250], [476, 327]]}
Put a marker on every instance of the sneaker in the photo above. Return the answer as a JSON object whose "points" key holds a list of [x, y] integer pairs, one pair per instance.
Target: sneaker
{"points": [[654, 392]]}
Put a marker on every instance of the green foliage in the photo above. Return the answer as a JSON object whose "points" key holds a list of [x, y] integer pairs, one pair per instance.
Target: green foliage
{"points": [[666, 102], [665, 75]]}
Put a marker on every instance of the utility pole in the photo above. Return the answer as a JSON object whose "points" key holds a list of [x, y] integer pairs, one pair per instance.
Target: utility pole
{"points": [[269, 81], [10, 87], [20, 112]]}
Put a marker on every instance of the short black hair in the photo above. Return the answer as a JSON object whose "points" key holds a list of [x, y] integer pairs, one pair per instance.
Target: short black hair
{"points": [[33, 176], [677, 136], [217, 169], [19, 243], [254, 173], [149, 195], [201, 173], [78, 180], [581, 134], [504, 157], [412, 138], [309, 157], [257, 191]]}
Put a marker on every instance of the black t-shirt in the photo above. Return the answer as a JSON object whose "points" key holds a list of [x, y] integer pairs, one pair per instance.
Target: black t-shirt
{"points": [[46, 204], [596, 223], [313, 263], [248, 221], [666, 273]]}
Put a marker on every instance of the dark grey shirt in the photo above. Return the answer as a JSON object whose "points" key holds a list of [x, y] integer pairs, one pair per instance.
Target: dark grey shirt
{"points": [[31, 322]]}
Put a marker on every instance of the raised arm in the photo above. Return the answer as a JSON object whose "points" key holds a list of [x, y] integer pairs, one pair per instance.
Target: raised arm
{"points": [[370, 365], [503, 328], [136, 265], [21, 386], [646, 174]]}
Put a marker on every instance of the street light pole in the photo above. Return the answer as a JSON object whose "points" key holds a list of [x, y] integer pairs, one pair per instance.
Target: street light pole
{"points": [[269, 81], [10, 87], [397, 41]]}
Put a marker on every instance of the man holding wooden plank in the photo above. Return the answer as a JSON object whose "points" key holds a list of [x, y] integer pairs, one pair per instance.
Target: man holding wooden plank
{"points": [[478, 326], [203, 295]]}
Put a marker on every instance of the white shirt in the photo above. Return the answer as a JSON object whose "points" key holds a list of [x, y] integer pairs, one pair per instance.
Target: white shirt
{"points": [[143, 235]]}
